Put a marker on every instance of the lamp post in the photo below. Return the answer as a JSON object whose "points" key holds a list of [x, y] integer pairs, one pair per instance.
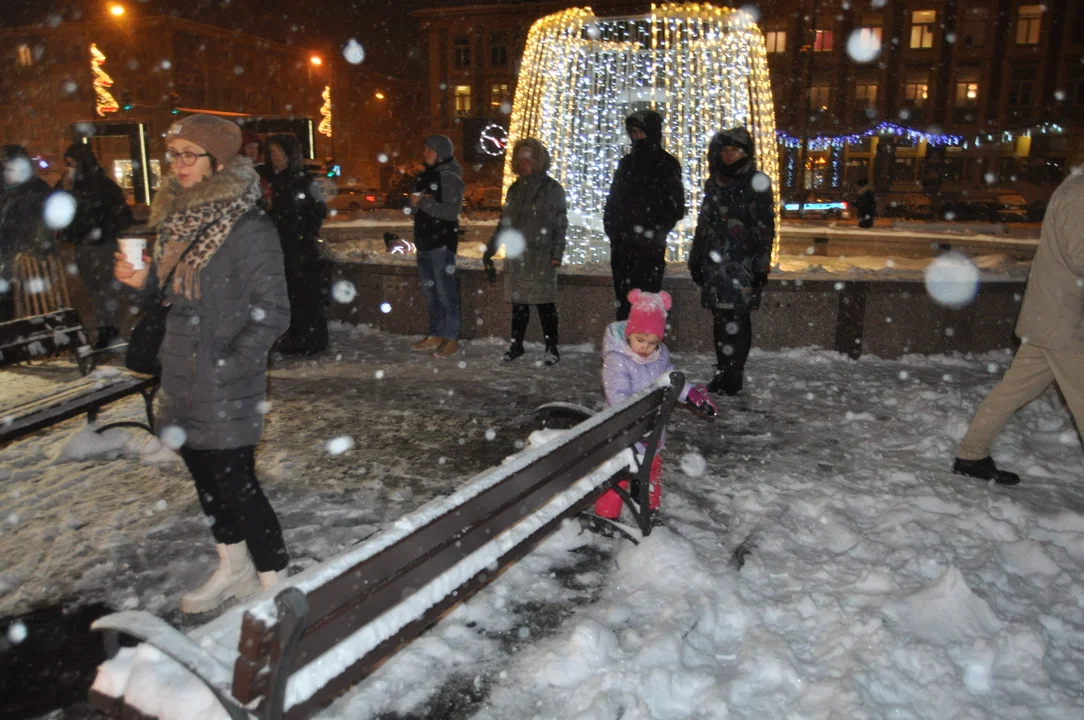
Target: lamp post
{"points": [[325, 126]]}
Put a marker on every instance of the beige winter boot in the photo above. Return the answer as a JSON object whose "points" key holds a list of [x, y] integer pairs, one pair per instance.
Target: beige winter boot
{"points": [[271, 578], [235, 577]]}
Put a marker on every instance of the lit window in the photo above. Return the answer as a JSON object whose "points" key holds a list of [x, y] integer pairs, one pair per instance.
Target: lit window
{"points": [[967, 94], [916, 88], [25, 57], [865, 96], [1029, 20], [818, 98], [869, 40], [775, 41], [823, 41], [922, 22], [462, 99], [498, 95]]}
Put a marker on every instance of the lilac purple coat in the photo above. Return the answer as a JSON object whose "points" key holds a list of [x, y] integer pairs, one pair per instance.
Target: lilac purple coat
{"points": [[624, 373]]}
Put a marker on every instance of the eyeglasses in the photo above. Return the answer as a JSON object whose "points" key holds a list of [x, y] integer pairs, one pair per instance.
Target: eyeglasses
{"points": [[187, 159]]}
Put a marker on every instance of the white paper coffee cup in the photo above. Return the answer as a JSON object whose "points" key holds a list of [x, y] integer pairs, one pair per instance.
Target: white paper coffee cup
{"points": [[133, 251]]}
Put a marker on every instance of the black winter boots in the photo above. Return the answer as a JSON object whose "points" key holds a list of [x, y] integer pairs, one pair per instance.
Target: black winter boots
{"points": [[727, 381], [984, 469]]}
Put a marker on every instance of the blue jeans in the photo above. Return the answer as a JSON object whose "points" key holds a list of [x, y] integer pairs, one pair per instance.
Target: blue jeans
{"points": [[436, 268]]}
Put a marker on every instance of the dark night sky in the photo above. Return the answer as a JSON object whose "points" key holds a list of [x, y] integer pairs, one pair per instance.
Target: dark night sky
{"points": [[384, 27]]}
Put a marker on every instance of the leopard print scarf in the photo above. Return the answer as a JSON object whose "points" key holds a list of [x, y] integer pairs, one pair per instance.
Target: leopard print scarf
{"points": [[204, 214]]}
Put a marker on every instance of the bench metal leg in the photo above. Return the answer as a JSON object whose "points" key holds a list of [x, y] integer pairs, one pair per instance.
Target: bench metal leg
{"points": [[293, 611], [148, 402]]}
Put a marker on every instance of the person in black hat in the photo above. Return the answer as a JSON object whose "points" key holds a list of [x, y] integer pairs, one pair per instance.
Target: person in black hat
{"points": [[646, 201], [732, 250]]}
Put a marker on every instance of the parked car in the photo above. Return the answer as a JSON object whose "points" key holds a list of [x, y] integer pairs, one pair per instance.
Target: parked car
{"points": [[965, 206], [816, 205], [911, 205], [1009, 207], [352, 199]]}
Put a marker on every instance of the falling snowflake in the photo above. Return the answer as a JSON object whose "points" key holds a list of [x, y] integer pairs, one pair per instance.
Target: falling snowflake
{"points": [[862, 46], [344, 291], [339, 445], [761, 182], [379, 374], [59, 210], [382, 158], [353, 52], [385, 307], [17, 632], [693, 464], [952, 280], [989, 178], [491, 434], [173, 437], [513, 241]]}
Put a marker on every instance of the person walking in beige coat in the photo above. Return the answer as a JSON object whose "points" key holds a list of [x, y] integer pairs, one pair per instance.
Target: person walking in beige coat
{"points": [[1051, 332]]}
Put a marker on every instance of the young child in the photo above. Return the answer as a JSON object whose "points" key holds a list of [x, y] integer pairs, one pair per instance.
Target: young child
{"points": [[634, 357]]}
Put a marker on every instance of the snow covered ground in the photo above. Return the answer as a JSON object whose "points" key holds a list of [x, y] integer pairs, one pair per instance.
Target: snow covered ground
{"points": [[878, 585]]}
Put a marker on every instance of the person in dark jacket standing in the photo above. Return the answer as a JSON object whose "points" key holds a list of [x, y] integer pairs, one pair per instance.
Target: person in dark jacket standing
{"points": [[866, 204], [298, 210], [437, 201], [101, 214], [731, 251], [22, 230], [222, 259], [646, 201], [532, 228]]}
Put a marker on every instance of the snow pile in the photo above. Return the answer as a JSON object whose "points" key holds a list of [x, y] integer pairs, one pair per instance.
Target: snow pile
{"points": [[87, 444]]}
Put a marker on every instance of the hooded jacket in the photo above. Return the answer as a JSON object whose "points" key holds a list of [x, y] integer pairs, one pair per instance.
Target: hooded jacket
{"points": [[1052, 313], [647, 197], [101, 212], [732, 248], [21, 204], [297, 207], [535, 207], [624, 373]]}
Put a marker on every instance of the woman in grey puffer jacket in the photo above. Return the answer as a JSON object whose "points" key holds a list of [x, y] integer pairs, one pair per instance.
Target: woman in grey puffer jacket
{"points": [[222, 260], [535, 210]]}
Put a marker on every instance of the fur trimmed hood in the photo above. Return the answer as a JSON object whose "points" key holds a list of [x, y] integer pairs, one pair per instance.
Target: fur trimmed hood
{"points": [[231, 183]]}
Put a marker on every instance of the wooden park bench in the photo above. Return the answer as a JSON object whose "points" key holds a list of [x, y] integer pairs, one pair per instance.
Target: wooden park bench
{"points": [[293, 653], [54, 334]]}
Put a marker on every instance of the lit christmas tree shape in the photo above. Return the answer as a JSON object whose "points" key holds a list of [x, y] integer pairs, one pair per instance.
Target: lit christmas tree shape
{"points": [[325, 110], [704, 69], [104, 102]]}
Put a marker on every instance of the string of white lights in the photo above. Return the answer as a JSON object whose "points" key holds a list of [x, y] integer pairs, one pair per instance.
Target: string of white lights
{"points": [[703, 68]]}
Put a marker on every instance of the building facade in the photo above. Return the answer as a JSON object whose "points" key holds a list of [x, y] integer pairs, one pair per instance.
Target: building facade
{"points": [[993, 90], [162, 68]]}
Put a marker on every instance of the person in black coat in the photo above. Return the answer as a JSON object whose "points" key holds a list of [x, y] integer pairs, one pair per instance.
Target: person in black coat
{"points": [[646, 201], [866, 204], [101, 214], [298, 211], [22, 197], [731, 251]]}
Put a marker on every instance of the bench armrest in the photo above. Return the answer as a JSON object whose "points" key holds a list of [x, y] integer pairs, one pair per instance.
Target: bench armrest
{"points": [[179, 647]]}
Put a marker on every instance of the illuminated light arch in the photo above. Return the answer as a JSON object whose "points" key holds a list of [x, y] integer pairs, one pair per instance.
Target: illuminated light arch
{"points": [[104, 102], [703, 68]]}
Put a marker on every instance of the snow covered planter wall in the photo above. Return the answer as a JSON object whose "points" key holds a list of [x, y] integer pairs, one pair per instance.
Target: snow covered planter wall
{"points": [[704, 69], [886, 318]]}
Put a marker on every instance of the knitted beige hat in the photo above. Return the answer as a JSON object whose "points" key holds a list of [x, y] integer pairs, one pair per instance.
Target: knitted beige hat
{"points": [[219, 137]]}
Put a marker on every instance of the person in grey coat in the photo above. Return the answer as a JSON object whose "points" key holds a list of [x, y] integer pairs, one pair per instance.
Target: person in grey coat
{"points": [[219, 259], [532, 229]]}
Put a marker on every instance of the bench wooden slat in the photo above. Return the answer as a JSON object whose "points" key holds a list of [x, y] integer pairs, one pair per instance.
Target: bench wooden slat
{"points": [[79, 405], [357, 671], [53, 334]]}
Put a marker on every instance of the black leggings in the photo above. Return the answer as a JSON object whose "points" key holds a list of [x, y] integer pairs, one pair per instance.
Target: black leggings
{"points": [[231, 496], [636, 267], [733, 332], [521, 317]]}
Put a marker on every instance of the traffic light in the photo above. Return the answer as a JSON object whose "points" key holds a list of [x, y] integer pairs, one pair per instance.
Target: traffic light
{"points": [[126, 100], [174, 103]]}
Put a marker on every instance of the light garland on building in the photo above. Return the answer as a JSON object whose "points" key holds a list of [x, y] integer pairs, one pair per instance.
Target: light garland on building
{"points": [[825, 142], [104, 102], [704, 69], [325, 124]]}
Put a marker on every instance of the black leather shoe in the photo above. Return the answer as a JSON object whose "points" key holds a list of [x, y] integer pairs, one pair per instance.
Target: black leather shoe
{"points": [[726, 382], [984, 469], [515, 351]]}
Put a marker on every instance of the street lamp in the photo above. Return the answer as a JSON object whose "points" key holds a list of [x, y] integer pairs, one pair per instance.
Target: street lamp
{"points": [[316, 60], [380, 96], [116, 10]]}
